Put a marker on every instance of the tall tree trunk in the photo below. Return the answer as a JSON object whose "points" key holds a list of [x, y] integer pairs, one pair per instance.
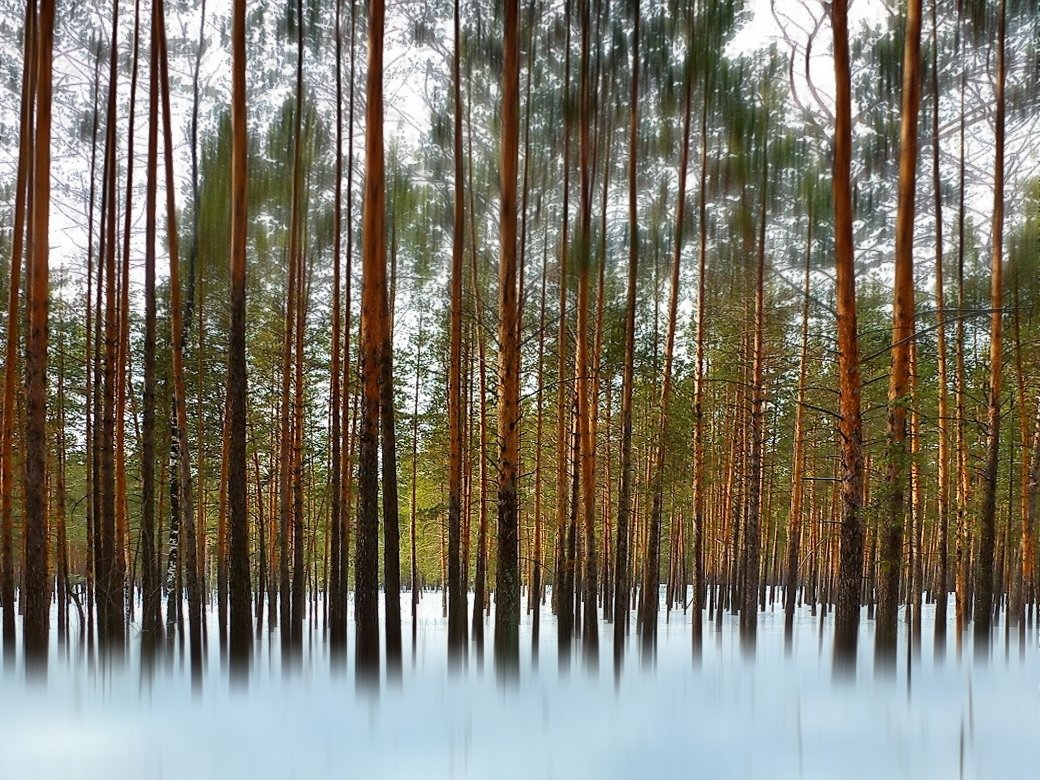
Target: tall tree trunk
{"points": [[373, 254], [188, 544], [480, 599], [349, 421], [192, 260], [35, 625], [26, 157], [112, 589], [151, 610], [90, 366], [507, 581], [753, 524], [337, 593], [699, 517], [988, 502], [916, 590], [963, 551], [122, 546], [562, 601], [61, 539], [299, 577], [899, 399], [222, 531], [942, 493], [238, 586], [846, 619], [582, 357], [286, 520], [391, 503], [456, 594], [412, 508]]}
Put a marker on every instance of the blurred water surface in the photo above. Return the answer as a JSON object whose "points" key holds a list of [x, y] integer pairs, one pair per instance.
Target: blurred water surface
{"points": [[777, 715]]}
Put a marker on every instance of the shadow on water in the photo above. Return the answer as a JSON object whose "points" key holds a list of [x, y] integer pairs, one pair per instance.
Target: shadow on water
{"points": [[637, 655]]}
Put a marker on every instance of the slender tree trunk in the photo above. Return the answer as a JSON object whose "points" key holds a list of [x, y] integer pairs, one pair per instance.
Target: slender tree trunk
{"points": [[299, 576], [391, 504], [188, 544], [61, 540], [480, 599], [412, 509], [100, 567], [349, 422], [456, 594], [963, 551], [899, 399], [239, 584], [507, 581], [988, 502], [336, 592], [699, 518], [286, 520], [151, 610], [373, 270], [222, 532], [122, 545], [582, 358], [846, 619], [534, 598], [561, 598], [916, 510], [35, 626], [26, 157], [91, 365], [112, 589], [753, 524], [942, 493]]}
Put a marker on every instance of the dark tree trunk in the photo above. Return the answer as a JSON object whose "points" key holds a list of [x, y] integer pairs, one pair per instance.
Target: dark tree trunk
{"points": [[151, 610], [456, 594], [336, 591], [621, 587], [391, 503], [850, 575], [988, 503], [507, 581], [373, 253], [37, 602]]}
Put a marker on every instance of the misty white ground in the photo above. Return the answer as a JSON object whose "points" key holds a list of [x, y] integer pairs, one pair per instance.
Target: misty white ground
{"points": [[776, 716]]}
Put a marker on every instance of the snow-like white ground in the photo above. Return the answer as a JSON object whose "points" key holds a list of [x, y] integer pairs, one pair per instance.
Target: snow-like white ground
{"points": [[774, 717]]}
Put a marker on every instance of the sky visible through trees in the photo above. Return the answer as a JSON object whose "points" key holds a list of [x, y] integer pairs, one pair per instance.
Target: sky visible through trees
{"points": [[628, 336]]}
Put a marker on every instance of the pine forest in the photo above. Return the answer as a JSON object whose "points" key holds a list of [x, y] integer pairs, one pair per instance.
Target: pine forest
{"points": [[512, 388]]}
